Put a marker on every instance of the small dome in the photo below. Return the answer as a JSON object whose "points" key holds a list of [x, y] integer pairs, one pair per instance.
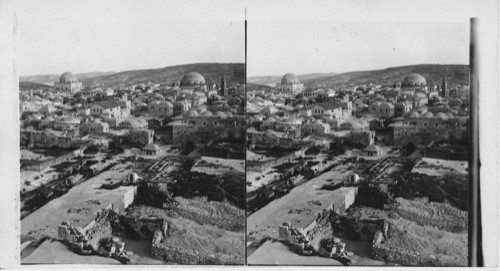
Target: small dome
{"points": [[427, 115], [441, 115], [414, 80], [96, 121], [206, 114], [289, 78], [193, 113], [68, 77], [318, 122], [413, 114], [220, 114], [192, 79]]}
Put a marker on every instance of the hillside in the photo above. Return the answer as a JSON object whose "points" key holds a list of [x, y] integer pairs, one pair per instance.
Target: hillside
{"points": [[433, 73], [49, 79], [253, 86], [233, 72], [273, 79], [30, 85]]}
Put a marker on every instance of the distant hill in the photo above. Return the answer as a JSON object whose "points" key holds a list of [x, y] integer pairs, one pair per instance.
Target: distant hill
{"points": [[29, 85], [253, 86], [49, 79], [274, 79], [433, 73], [212, 72]]}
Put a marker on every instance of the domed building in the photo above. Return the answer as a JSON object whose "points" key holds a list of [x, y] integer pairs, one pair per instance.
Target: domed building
{"points": [[68, 83], [192, 79], [290, 84], [413, 80]]}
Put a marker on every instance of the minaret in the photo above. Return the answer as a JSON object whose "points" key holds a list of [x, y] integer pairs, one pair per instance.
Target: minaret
{"points": [[223, 89], [444, 90]]}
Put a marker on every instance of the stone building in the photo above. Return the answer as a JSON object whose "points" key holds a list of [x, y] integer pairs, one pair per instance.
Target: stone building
{"points": [[402, 108], [413, 80], [372, 150], [317, 128], [68, 83], [181, 107], [192, 79], [290, 84], [421, 130], [161, 108], [112, 108], [192, 129], [362, 137], [141, 136], [96, 127], [151, 149]]}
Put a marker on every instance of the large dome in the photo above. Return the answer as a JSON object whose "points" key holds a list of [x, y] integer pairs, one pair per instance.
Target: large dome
{"points": [[192, 79], [289, 78], [68, 77], [413, 80]]}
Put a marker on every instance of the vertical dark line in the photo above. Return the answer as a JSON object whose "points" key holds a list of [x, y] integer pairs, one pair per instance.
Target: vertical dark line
{"points": [[475, 237], [245, 141]]}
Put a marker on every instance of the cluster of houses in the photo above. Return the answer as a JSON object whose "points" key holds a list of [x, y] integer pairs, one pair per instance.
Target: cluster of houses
{"points": [[69, 116], [410, 112]]}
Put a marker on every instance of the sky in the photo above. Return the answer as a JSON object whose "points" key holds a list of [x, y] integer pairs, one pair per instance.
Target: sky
{"points": [[278, 47], [55, 36]]}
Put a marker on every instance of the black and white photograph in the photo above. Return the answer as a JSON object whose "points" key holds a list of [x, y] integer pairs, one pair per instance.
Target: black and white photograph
{"points": [[131, 136], [249, 134], [357, 143]]}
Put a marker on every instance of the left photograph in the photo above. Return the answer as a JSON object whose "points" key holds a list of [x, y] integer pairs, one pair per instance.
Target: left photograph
{"points": [[132, 134]]}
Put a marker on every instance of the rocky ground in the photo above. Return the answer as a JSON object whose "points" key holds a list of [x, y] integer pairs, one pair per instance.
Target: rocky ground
{"points": [[199, 231], [420, 232]]}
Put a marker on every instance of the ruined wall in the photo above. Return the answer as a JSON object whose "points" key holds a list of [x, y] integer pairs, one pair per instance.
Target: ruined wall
{"points": [[99, 228], [34, 165], [258, 166], [219, 152]]}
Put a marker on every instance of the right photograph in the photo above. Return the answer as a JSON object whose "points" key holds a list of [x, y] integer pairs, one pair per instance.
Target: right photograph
{"points": [[357, 148]]}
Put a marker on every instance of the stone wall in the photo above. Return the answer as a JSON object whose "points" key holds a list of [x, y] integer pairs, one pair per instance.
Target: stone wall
{"points": [[258, 166], [34, 165]]}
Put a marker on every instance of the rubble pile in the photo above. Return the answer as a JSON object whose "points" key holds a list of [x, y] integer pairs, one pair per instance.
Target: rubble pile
{"points": [[79, 243]]}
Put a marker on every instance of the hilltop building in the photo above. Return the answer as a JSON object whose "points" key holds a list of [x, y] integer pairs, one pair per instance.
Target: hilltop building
{"points": [[444, 89], [290, 84], [68, 83], [192, 79], [413, 81]]}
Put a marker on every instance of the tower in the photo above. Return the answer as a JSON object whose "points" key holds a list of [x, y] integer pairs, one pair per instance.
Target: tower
{"points": [[223, 88], [444, 89]]}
